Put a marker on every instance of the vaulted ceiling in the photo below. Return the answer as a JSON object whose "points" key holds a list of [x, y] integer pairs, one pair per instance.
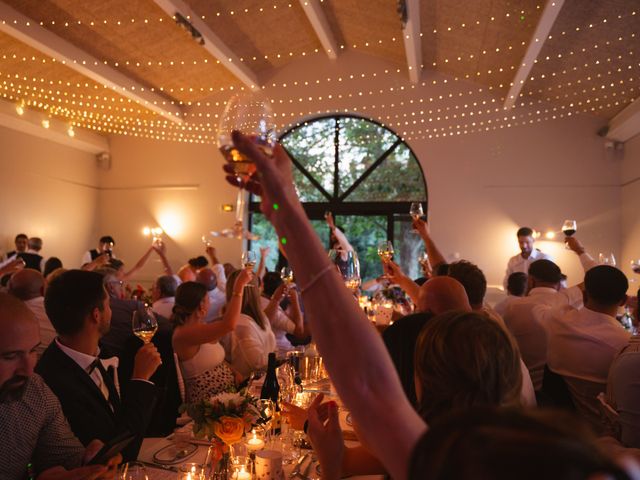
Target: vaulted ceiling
{"points": [[123, 67]]}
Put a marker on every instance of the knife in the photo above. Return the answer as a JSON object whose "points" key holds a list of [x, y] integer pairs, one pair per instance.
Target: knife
{"points": [[296, 470], [157, 465], [305, 474]]}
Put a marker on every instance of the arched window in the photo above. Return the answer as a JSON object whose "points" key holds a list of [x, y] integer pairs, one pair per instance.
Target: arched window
{"points": [[362, 172]]}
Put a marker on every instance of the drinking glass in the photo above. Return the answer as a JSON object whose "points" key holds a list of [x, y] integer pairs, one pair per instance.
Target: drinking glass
{"points": [[250, 113], [569, 228], [144, 323], [249, 259], [416, 210], [607, 259], [132, 471], [348, 266], [385, 251], [286, 274]]}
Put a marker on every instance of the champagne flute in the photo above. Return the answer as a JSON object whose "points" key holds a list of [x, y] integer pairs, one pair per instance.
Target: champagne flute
{"points": [[250, 113], [144, 323], [286, 274], [385, 251]]}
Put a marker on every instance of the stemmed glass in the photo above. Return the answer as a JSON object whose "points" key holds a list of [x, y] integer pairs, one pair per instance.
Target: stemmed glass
{"points": [[133, 471], [286, 274], [267, 410], [144, 323], [251, 114], [385, 251], [249, 259], [348, 266], [607, 259], [569, 228]]}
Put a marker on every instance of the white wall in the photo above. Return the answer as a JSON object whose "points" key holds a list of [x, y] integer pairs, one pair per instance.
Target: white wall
{"points": [[630, 210], [50, 191]]}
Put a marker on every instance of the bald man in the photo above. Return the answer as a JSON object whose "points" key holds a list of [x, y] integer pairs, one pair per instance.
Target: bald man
{"points": [[28, 286], [217, 298], [37, 439]]}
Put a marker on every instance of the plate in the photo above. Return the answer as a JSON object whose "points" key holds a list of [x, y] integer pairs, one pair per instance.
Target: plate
{"points": [[174, 453]]}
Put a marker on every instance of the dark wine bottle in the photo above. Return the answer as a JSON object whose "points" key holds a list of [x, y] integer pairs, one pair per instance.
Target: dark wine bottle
{"points": [[271, 391]]}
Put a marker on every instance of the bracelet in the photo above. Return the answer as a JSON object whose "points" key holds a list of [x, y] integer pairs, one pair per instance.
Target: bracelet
{"points": [[234, 294], [316, 277]]}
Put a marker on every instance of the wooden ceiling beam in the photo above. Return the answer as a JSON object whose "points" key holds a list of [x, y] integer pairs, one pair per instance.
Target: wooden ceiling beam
{"points": [[540, 34], [30, 122], [413, 40], [212, 43], [626, 124], [32, 34], [316, 16]]}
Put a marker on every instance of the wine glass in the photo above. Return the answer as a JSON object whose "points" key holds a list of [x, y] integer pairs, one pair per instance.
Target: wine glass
{"points": [[348, 266], [286, 274], [133, 471], [249, 259], [607, 259], [416, 210], [267, 410], [385, 251], [569, 228], [144, 323], [250, 113]]}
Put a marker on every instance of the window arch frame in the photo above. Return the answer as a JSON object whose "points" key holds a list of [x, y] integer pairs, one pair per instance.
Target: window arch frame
{"points": [[338, 203]]}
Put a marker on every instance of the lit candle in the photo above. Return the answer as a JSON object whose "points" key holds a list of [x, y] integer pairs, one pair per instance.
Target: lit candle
{"points": [[241, 474], [255, 443]]}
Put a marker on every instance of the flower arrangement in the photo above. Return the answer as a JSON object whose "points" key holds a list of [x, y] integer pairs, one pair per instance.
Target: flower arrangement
{"points": [[226, 416]]}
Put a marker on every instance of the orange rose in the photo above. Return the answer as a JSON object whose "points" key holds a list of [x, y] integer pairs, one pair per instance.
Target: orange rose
{"points": [[229, 429]]}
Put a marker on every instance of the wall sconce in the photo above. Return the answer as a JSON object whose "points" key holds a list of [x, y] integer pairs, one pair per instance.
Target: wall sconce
{"points": [[227, 207], [550, 235], [155, 233]]}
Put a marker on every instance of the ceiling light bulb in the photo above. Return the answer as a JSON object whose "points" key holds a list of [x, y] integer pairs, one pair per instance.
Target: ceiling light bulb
{"points": [[46, 123], [71, 132], [20, 109]]}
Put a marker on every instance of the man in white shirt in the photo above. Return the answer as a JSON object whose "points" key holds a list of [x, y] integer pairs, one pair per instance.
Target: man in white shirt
{"points": [[516, 288], [527, 255], [217, 297], [163, 294], [583, 343], [28, 286]]}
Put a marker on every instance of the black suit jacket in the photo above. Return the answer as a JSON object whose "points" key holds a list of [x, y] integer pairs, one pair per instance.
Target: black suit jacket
{"points": [[88, 412]]}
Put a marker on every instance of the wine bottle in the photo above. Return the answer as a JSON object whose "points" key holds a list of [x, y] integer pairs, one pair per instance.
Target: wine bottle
{"points": [[271, 390]]}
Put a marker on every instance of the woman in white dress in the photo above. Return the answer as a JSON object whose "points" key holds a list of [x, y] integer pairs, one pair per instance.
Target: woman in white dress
{"points": [[252, 339], [195, 343]]}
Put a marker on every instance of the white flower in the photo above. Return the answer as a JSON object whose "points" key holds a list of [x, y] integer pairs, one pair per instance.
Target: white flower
{"points": [[227, 398]]}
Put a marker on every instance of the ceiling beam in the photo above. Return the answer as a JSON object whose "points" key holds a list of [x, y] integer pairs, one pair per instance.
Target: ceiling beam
{"points": [[212, 43], [626, 124], [31, 33], [320, 25], [30, 122], [412, 39], [540, 34]]}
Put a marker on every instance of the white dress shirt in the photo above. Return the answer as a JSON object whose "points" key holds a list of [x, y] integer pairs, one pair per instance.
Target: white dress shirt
{"points": [[85, 361], [251, 345], [519, 264], [623, 391], [47, 332], [164, 306], [528, 330], [217, 300], [221, 278]]}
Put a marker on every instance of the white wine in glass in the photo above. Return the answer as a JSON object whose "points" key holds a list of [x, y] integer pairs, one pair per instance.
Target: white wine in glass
{"points": [[144, 323], [249, 259], [251, 114], [385, 251], [348, 266], [286, 274]]}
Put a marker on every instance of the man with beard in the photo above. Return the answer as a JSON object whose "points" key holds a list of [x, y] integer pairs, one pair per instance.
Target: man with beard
{"points": [[36, 438], [527, 255], [78, 306]]}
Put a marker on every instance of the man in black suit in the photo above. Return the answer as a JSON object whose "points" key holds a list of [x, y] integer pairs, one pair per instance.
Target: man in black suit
{"points": [[78, 307]]}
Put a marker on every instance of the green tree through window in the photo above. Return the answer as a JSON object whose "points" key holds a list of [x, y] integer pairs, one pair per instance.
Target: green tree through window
{"points": [[362, 172]]}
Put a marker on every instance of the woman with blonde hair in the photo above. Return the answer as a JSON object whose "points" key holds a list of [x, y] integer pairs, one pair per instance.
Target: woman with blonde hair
{"points": [[252, 339], [196, 344]]}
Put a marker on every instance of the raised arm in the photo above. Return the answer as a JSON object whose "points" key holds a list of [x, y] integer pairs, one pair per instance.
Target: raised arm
{"points": [[161, 249], [395, 275], [339, 234], [199, 333], [139, 264], [264, 253], [370, 387], [435, 256]]}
